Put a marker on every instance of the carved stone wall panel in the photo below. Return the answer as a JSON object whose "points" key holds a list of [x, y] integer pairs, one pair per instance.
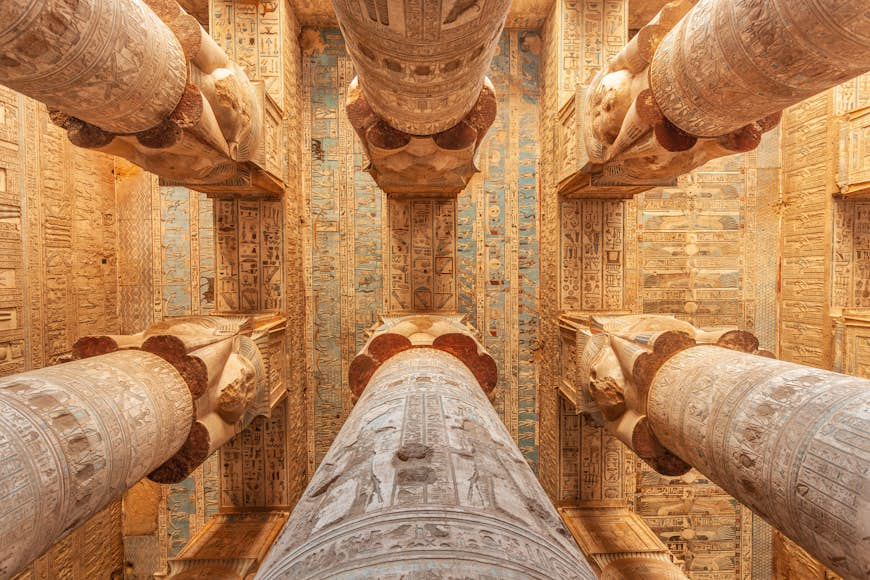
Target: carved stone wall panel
{"points": [[295, 243], [691, 243], [250, 255], [57, 215], [593, 250], [496, 266], [254, 465], [94, 550], [185, 508], [134, 190], [252, 37], [577, 39], [422, 255], [805, 245]]}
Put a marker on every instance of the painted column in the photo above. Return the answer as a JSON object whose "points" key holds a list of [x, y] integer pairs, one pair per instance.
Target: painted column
{"points": [[790, 442], [421, 65], [424, 479], [729, 63], [421, 103], [111, 63], [75, 436]]}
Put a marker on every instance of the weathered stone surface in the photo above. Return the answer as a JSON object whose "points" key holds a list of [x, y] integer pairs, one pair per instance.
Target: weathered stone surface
{"points": [[74, 436], [171, 102], [788, 441], [223, 369], [707, 81], [400, 333], [730, 63], [424, 480], [437, 165], [111, 63], [421, 65]]}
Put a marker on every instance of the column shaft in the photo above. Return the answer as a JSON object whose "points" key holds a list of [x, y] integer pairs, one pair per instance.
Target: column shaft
{"points": [[729, 63], [424, 479], [75, 436], [790, 442], [421, 65], [111, 63]]}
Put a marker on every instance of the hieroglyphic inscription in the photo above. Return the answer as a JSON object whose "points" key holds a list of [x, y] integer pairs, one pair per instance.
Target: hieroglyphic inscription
{"points": [[807, 161], [249, 255], [252, 37], [349, 240], [421, 467], [422, 255], [786, 440], [254, 464], [690, 244], [578, 38], [592, 255], [57, 214]]}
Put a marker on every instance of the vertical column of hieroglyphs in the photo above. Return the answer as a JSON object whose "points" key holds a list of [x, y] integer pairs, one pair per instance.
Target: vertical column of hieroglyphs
{"points": [[592, 255], [227, 276], [806, 240], [248, 259], [13, 352], [579, 37], [422, 258], [400, 255], [295, 272], [422, 255]]}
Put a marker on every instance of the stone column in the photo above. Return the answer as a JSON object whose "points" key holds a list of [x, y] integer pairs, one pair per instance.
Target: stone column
{"points": [[421, 103], [75, 436], [729, 63], [424, 481], [421, 65], [790, 442], [705, 81], [111, 63]]}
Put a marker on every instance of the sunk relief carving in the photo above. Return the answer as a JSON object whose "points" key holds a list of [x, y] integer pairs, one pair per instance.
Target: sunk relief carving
{"points": [[705, 80], [172, 103], [221, 365]]}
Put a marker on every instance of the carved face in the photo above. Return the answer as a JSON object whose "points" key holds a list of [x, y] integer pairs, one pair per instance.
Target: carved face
{"points": [[610, 103]]}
